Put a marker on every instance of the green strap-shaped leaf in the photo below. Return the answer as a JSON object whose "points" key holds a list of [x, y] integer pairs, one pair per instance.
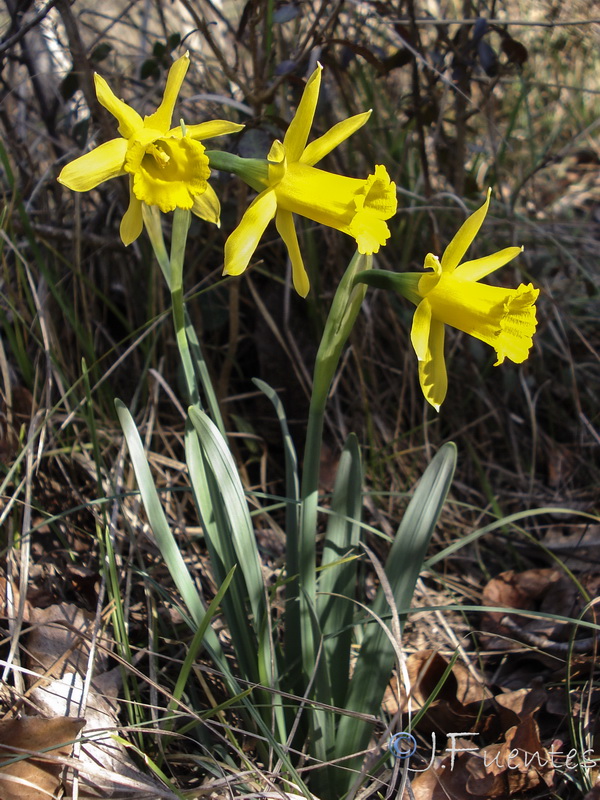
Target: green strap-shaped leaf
{"points": [[376, 656], [234, 540], [179, 572], [235, 507], [337, 582], [292, 519], [160, 527]]}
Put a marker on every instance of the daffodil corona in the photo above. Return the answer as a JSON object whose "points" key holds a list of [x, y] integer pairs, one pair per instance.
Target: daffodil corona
{"points": [[167, 167], [449, 293], [291, 184]]}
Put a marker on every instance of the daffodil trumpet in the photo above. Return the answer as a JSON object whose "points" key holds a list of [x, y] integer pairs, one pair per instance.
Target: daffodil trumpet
{"points": [[449, 293], [167, 167], [290, 183]]}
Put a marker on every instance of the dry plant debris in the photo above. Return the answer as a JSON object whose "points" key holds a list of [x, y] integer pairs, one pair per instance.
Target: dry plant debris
{"points": [[58, 650], [551, 594], [534, 439], [494, 740], [44, 742]]}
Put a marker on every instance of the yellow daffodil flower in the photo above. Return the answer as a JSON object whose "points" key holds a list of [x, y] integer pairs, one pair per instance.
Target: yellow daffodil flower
{"points": [[167, 167], [292, 185], [450, 294]]}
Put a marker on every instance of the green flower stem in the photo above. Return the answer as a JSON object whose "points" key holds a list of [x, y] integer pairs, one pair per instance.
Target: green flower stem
{"points": [[405, 283], [172, 268], [342, 316], [253, 171], [152, 223], [181, 224]]}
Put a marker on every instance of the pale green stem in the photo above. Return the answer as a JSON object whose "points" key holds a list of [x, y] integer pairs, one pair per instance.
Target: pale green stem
{"points": [[187, 342], [172, 269], [342, 316], [152, 222], [181, 224], [254, 171]]}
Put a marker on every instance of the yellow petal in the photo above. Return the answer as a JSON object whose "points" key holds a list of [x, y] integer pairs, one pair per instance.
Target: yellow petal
{"points": [[316, 194], [421, 325], [207, 206], [242, 243], [463, 238], [285, 226], [277, 163], [129, 120], [299, 128], [480, 267], [132, 222], [161, 119], [432, 370], [320, 147], [208, 130], [100, 164], [171, 173]]}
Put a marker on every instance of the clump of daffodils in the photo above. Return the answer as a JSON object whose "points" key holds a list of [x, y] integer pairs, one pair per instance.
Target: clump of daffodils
{"points": [[168, 168]]}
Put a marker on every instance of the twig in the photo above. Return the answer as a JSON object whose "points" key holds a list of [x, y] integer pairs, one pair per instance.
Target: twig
{"points": [[8, 43]]}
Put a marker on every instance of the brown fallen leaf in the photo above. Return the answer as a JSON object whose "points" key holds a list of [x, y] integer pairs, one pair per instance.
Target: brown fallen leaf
{"points": [[541, 590], [522, 758], [101, 757], [36, 776], [3, 599], [594, 793], [483, 782], [514, 707], [448, 779], [58, 630], [9, 600], [516, 765], [505, 755], [459, 700]]}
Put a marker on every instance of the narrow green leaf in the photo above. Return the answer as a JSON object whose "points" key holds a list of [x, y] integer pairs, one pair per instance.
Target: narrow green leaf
{"points": [[195, 646], [234, 504], [337, 584], [376, 656], [292, 508], [235, 542], [185, 585], [203, 375], [217, 532], [158, 521], [292, 481]]}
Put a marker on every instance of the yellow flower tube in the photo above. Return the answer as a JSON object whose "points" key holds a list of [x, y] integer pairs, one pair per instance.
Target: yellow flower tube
{"points": [[293, 185], [167, 166]]}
